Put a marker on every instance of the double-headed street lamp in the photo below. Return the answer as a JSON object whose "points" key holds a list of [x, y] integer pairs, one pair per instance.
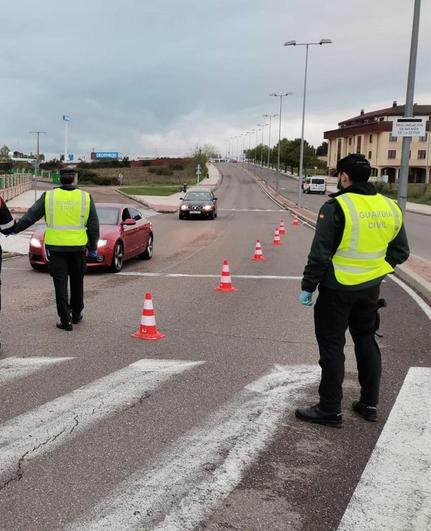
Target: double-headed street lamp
{"points": [[270, 116], [279, 135], [301, 156], [249, 144], [261, 147]]}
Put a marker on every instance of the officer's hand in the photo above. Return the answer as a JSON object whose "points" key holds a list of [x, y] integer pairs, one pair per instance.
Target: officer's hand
{"points": [[306, 298], [93, 254]]}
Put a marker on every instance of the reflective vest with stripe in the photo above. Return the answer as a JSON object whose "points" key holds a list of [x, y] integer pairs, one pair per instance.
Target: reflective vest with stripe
{"points": [[66, 215], [371, 222]]}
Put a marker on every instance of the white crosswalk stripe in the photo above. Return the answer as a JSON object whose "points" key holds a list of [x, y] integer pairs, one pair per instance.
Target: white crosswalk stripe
{"points": [[13, 368], [46, 427], [184, 484]]}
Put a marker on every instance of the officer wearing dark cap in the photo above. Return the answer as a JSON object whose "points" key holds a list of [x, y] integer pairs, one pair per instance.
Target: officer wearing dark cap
{"points": [[359, 239], [72, 226]]}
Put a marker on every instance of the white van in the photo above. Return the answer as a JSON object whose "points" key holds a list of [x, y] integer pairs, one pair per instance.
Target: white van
{"points": [[314, 184]]}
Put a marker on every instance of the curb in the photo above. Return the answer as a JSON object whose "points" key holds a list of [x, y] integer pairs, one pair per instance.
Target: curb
{"points": [[403, 272]]}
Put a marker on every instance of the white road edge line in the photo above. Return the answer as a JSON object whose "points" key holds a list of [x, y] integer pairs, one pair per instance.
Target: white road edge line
{"points": [[182, 486], [419, 301], [46, 427], [14, 367], [394, 492], [186, 275]]}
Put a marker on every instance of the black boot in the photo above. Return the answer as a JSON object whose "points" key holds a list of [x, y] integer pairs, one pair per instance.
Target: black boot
{"points": [[366, 412], [65, 326], [316, 415]]}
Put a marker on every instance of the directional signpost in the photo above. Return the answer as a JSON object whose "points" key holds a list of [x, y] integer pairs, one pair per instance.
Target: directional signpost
{"points": [[198, 172]]}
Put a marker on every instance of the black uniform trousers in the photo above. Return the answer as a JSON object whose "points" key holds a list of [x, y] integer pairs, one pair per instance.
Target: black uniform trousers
{"points": [[62, 267], [334, 312]]}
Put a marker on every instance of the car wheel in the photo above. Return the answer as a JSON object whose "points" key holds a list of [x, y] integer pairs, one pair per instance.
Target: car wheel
{"points": [[117, 258], [148, 253], [211, 216]]}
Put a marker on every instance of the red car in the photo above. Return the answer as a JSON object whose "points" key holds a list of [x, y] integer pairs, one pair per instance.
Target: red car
{"points": [[124, 233]]}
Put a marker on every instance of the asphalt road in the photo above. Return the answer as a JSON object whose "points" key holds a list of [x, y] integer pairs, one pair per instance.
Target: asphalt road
{"points": [[418, 225], [209, 447]]}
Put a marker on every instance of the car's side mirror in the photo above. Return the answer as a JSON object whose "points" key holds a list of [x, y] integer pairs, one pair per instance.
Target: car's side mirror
{"points": [[181, 198], [215, 198], [129, 222]]}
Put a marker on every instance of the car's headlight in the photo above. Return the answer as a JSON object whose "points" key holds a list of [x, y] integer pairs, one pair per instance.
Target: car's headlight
{"points": [[208, 207], [184, 207], [34, 242], [102, 243]]}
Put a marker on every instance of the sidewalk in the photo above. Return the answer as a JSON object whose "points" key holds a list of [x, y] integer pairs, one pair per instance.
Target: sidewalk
{"points": [[171, 203], [416, 272]]}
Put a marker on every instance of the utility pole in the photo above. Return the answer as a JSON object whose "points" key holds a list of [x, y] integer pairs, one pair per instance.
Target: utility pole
{"points": [[408, 110], [36, 165], [270, 116], [277, 178]]}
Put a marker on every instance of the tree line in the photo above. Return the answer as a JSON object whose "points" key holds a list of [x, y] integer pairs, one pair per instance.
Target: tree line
{"points": [[289, 155]]}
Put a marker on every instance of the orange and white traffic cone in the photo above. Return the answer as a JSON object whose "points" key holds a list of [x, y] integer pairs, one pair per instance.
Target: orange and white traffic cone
{"points": [[277, 240], [148, 328], [258, 254], [225, 279], [295, 221], [281, 227]]}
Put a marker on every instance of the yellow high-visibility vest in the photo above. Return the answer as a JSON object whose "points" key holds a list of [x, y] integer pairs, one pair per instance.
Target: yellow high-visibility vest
{"points": [[66, 215], [371, 222]]}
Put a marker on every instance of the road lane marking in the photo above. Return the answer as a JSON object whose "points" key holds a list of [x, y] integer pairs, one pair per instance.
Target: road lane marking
{"points": [[419, 301], [181, 487], [13, 367], [46, 427], [186, 275], [251, 210], [394, 492]]}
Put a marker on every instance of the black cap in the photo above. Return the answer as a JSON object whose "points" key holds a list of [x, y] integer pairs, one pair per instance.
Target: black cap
{"points": [[356, 166], [68, 174]]}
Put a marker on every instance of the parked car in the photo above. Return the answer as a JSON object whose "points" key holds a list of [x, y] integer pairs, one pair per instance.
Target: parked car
{"points": [[314, 184], [124, 233], [198, 203]]}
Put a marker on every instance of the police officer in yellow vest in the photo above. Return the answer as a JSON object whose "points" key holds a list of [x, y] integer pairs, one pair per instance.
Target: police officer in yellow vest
{"points": [[72, 226], [359, 239]]}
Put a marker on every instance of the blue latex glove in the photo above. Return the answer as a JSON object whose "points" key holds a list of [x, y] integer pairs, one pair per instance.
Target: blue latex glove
{"points": [[92, 254], [306, 298]]}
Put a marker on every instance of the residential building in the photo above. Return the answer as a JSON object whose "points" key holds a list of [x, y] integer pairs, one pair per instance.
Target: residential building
{"points": [[371, 134]]}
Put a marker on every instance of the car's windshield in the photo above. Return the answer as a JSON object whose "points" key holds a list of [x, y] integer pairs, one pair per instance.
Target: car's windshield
{"points": [[198, 196], [107, 215], [318, 181]]}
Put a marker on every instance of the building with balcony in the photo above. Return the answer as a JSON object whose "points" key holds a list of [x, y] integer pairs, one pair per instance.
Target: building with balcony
{"points": [[371, 134]]}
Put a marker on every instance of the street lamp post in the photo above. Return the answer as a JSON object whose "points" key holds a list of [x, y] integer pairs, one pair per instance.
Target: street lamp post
{"points": [[261, 146], [36, 166], [408, 110], [277, 178], [301, 156], [255, 146], [249, 145], [270, 116]]}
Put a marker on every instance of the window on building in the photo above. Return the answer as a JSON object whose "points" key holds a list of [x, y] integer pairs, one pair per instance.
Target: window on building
{"points": [[370, 154], [350, 141], [392, 138], [370, 139], [423, 138], [392, 154], [358, 144], [422, 154]]}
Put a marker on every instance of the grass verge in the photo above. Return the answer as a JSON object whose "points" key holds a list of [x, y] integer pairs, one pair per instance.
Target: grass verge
{"points": [[151, 189]]}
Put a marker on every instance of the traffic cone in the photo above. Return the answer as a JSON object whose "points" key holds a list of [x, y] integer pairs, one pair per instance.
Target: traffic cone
{"points": [[225, 279], [295, 221], [258, 254], [148, 328], [277, 240], [281, 227]]}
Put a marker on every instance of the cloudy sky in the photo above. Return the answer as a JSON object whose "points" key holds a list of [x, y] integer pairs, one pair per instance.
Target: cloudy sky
{"points": [[158, 77]]}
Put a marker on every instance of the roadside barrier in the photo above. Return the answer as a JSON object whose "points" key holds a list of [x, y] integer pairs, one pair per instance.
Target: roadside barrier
{"points": [[282, 228], [258, 254], [147, 328], [277, 240], [225, 279]]}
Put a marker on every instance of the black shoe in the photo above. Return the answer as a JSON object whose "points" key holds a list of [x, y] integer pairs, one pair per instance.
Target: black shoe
{"points": [[367, 412], [77, 319], [316, 415], [65, 326]]}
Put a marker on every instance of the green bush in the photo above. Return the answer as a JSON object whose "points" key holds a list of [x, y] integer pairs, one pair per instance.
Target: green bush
{"points": [[164, 171], [152, 170], [176, 167]]}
